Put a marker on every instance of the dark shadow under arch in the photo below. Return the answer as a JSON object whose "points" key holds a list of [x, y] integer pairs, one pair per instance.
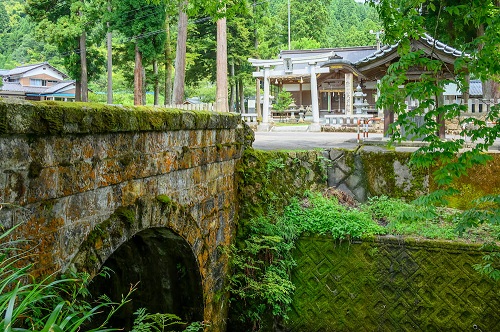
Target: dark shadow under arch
{"points": [[167, 273]]}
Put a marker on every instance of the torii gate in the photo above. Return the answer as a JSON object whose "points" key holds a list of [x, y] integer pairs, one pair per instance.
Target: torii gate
{"points": [[284, 68]]}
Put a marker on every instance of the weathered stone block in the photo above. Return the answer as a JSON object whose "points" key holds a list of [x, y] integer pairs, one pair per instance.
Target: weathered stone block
{"points": [[15, 153]]}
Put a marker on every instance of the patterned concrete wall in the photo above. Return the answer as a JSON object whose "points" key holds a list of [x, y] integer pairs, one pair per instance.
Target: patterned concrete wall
{"points": [[68, 171], [391, 284]]}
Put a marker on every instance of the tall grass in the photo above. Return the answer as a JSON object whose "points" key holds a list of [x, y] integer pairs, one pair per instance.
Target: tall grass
{"points": [[46, 304]]}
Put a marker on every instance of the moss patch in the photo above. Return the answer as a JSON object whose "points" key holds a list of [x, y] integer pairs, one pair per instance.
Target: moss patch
{"points": [[482, 180], [126, 215], [49, 118]]}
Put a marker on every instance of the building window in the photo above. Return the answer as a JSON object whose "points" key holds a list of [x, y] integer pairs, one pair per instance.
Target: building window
{"points": [[37, 82]]}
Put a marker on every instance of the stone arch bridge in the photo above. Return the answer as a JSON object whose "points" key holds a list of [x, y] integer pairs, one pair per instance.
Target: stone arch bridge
{"points": [[149, 192]]}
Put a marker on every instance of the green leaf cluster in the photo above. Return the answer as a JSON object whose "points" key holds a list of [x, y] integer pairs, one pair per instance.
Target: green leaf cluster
{"points": [[284, 100]]}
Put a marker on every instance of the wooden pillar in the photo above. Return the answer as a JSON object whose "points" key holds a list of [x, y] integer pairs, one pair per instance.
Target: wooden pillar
{"points": [[388, 120], [300, 95]]}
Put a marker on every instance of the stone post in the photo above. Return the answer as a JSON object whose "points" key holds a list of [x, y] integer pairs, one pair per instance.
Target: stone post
{"points": [[348, 93], [315, 126], [264, 126]]}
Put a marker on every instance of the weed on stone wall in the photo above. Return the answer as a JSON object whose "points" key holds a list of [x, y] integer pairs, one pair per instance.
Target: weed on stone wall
{"points": [[63, 302]]}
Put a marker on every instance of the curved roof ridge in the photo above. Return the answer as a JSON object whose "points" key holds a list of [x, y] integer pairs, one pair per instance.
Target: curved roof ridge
{"points": [[431, 41]]}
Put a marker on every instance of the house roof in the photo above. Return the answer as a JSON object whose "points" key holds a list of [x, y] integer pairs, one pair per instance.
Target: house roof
{"points": [[59, 86], [3, 72], [26, 68], [17, 87], [349, 54], [36, 90]]}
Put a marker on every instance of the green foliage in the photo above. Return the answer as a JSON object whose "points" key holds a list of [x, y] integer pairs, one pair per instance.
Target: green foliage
{"points": [[486, 210], [321, 215], [305, 43], [260, 282], [140, 30], [490, 266], [283, 101], [146, 322]]}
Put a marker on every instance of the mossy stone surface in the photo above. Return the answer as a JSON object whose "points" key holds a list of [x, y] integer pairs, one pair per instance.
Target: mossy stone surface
{"points": [[49, 118]]}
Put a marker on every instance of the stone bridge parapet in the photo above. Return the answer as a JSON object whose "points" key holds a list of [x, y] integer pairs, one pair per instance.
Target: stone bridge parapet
{"points": [[68, 170]]}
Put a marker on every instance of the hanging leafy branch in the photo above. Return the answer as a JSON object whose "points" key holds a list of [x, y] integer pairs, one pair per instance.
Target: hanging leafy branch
{"points": [[474, 28], [407, 21]]}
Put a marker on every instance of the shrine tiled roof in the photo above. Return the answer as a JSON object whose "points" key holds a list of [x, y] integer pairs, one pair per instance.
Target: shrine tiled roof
{"points": [[426, 38], [442, 46], [378, 54]]}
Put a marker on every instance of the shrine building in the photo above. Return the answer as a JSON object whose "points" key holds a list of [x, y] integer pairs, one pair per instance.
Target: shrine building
{"points": [[339, 85]]}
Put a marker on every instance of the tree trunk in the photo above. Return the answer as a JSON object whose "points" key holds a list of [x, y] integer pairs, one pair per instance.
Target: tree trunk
{"points": [[78, 91], [168, 64], [491, 88], [143, 79], [221, 97], [83, 63], [440, 118], [236, 106], [110, 69], [138, 84], [257, 81], [109, 38], [180, 55], [232, 90], [388, 120], [156, 83], [242, 97]]}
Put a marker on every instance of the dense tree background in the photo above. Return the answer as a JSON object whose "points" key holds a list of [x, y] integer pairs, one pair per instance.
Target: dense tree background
{"points": [[255, 28]]}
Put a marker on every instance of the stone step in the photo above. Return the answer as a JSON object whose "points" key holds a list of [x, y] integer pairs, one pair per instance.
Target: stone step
{"points": [[289, 128]]}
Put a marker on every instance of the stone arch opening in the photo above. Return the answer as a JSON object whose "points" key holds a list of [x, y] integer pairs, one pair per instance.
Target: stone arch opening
{"points": [[167, 273]]}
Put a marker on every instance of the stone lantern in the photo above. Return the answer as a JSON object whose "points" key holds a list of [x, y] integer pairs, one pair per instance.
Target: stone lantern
{"points": [[359, 101]]}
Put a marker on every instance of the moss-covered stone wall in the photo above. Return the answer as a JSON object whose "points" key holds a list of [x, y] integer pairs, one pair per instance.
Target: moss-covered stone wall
{"points": [[267, 180], [391, 284], [81, 179], [364, 174]]}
